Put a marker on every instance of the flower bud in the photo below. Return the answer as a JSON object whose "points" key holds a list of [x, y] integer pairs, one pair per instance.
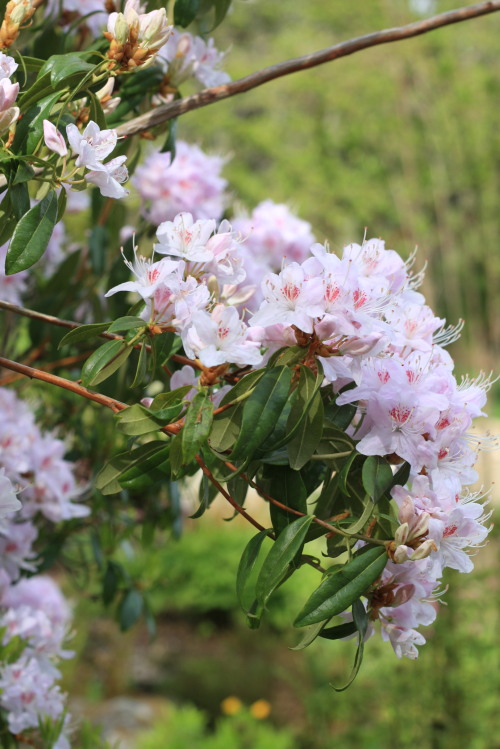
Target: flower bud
{"points": [[8, 118], [421, 526], [54, 139], [401, 534], [8, 93], [424, 550], [400, 555]]}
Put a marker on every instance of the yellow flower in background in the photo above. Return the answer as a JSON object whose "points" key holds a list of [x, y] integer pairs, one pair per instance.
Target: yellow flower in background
{"points": [[260, 709], [231, 705]]}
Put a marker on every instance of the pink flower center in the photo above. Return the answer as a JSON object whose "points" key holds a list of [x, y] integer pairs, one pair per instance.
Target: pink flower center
{"points": [[449, 531], [359, 298], [223, 332], [153, 275], [291, 292], [383, 376], [400, 414], [332, 292]]}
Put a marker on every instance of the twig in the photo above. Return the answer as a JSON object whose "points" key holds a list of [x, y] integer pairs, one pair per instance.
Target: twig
{"points": [[67, 361], [167, 112], [51, 320]]}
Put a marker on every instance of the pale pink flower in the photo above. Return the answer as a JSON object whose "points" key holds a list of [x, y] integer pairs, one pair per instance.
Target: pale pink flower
{"points": [[54, 139], [220, 337]]}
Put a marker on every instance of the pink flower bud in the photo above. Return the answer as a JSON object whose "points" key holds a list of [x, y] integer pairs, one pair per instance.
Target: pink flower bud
{"points": [[53, 138], [8, 93]]}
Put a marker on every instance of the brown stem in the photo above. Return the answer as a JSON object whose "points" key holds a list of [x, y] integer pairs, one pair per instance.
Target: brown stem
{"points": [[167, 112], [66, 362], [51, 320], [227, 496], [74, 387]]}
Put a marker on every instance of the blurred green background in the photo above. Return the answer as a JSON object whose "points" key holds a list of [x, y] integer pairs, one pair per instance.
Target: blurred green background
{"points": [[404, 140]]}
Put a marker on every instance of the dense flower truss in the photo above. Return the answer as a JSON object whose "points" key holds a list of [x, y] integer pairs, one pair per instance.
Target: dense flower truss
{"points": [[35, 482], [359, 315]]}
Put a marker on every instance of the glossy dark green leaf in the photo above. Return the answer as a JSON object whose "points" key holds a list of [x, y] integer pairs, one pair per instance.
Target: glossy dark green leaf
{"points": [[303, 445], [104, 362], [376, 476], [129, 322], [142, 367], [83, 333], [154, 468], [32, 234], [276, 565], [197, 425], [360, 621], [131, 608], [137, 419], [185, 12], [247, 564], [20, 199], [339, 631], [309, 634], [40, 89], [125, 464], [338, 591], [262, 410], [70, 66], [287, 486]]}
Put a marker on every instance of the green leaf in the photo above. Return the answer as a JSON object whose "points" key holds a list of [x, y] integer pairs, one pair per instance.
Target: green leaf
{"points": [[110, 582], [129, 322], [262, 411], [154, 468], [221, 9], [96, 114], [30, 129], [124, 465], [197, 425], [136, 420], [104, 362], [83, 333], [338, 591], [287, 486], [31, 235], [338, 632], [360, 621], [376, 476], [276, 565], [247, 564], [40, 89], [20, 199], [142, 366], [303, 445], [226, 428], [131, 608], [310, 633], [185, 12], [64, 67]]}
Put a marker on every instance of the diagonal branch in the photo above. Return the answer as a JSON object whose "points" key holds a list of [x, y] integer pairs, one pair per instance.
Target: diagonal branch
{"points": [[167, 112]]}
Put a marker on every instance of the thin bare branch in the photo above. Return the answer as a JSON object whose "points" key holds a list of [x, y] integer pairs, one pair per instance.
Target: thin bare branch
{"points": [[167, 112]]}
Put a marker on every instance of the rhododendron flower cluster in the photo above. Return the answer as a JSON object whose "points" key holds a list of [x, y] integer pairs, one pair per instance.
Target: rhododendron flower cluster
{"points": [[361, 317], [35, 480], [191, 182], [185, 56], [136, 37]]}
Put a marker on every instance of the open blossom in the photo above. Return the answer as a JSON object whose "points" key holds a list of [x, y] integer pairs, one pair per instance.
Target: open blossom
{"points": [[189, 183], [8, 66], [9, 502], [220, 337], [186, 238], [187, 56], [92, 146]]}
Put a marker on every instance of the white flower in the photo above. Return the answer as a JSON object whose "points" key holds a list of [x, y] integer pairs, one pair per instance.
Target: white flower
{"points": [[7, 66], [54, 139], [186, 238], [92, 146], [9, 502], [109, 177]]}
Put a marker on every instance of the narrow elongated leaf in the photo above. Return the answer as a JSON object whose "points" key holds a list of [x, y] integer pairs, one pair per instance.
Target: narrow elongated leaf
{"points": [[262, 411], [277, 563], [310, 633], [131, 608], [338, 591], [197, 425], [107, 480], [376, 476], [247, 564], [154, 468], [226, 428], [243, 386], [137, 419], [338, 632], [83, 333], [126, 323], [303, 445], [31, 235], [185, 12], [287, 486], [360, 621], [104, 362]]}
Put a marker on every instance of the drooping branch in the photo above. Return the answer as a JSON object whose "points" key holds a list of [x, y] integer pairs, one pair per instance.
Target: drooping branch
{"points": [[167, 112]]}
